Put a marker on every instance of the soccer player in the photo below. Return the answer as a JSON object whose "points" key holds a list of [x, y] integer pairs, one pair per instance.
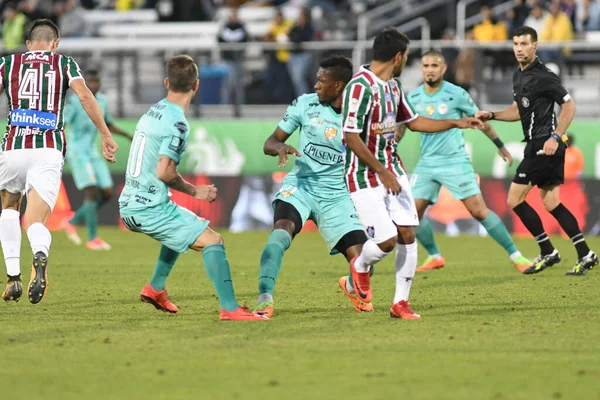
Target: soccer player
{"points": [[315, 189], [535, 91], [158, 145], [33, 147], [444, 161], [374, 104], [90, 172]]}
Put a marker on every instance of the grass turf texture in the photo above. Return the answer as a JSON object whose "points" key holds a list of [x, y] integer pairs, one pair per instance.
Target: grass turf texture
{"points": [[487, 331]]}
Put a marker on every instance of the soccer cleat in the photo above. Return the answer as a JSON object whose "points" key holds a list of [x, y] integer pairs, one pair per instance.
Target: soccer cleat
{"points": [[98, 244], [71, 232], [361, 283], [264, 308], [432, 263], [158, 298], [14, 289], [39, 278], [402, 310], [359, 305], [584, 264], [241, 314], [542, 262], [522, 263]]}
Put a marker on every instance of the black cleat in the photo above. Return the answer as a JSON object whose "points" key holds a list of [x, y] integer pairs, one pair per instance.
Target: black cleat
{"points": [[14, 288], [542, 262], [39, 278], [584, 264]]}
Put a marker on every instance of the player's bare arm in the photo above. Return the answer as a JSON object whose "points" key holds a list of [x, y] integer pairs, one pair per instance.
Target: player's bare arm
{"points": [[428, 125], [118, 131], [567, 113], [93, 110], [358, 146], [166, 171], [275, 146], [490, 132], [509, 114], [400, 131]]}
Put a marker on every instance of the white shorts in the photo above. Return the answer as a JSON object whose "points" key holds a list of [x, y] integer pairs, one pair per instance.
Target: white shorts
{"points": [[26, 169], [381, 212]]}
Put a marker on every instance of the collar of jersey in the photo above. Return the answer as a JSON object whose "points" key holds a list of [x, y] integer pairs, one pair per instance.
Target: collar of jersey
{"points": [[38, 51], [365, 68], [433, 95], [535, 62]]}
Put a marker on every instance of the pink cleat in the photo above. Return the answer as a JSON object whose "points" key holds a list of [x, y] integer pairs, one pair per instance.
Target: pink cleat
{"points": [[71, 232], [98, 244]]}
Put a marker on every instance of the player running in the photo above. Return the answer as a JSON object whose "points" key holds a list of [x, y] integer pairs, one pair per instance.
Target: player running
{"points": [[33, 147], [90, 172], [374, 105], [444, 161], [315, 189], [158, 145]]}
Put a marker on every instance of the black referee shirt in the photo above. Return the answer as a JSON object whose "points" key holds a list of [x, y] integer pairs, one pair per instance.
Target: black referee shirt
{"points": [[535, 90]]}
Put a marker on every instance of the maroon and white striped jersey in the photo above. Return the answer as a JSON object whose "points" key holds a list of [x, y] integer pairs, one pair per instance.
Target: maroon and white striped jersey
{"points": [[372, 108], [36, 84]]}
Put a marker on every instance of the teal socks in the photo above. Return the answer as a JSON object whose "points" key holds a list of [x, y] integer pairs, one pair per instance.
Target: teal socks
{"points": [[270, 261], [217, 268], [88, 213], [497, 230], [166, 261], [426, 238]]}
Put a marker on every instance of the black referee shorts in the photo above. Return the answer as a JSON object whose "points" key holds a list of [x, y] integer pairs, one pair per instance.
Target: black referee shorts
{"points": [[540, 170]]}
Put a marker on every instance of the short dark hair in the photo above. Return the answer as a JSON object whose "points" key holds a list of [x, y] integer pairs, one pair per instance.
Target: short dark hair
{"points": [[526, 30], [434, 53], [182, 72], [388, 43], [43, 30], [92, 73], [339, 67]]}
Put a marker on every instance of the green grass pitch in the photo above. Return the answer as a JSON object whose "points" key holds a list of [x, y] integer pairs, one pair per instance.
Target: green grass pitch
{"points": [[487, 331]]}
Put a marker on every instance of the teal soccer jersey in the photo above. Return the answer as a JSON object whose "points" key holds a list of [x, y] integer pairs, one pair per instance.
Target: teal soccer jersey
{"points": [[449, 102], [444, 160], [316, 187], [81, 131]]}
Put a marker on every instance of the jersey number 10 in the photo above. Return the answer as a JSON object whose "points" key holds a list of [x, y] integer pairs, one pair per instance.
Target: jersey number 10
{"points": [[136, 157], [31, 88]]}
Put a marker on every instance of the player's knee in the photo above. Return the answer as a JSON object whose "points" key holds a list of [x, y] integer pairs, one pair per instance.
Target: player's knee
{"points": [[90, 193], [513, 201], [389, 245], [550, 204], [106, 194], [480, 213], [286, 225], [406, 235]]}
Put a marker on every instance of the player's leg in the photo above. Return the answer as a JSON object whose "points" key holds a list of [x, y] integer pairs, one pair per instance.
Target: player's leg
{"points": [[10, 238], [101, 197], [85, 180], [586, 259]]}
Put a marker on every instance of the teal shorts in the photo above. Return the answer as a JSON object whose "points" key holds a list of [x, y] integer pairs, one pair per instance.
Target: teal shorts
{"points": [[457, 176], [333, 212], [172, 225], [89, 170]]}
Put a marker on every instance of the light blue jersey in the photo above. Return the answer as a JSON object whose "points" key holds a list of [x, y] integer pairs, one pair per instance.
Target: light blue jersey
{"points": [[323, 153], [449, 102], [162, 131], [81, 131]]}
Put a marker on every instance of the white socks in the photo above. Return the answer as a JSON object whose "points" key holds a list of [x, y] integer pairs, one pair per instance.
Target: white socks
{"points": [[10, 237], [371, 254], [39, 238], [406, 264]]}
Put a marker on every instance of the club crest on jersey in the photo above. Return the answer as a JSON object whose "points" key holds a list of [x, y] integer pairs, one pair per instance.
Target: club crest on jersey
{"points": [[443, 109], [525, 102], [330, 133], [288, 191], [371, 231], [430, 110]]}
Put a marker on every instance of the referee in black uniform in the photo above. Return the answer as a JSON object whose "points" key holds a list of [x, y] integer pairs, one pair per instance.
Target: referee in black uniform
{"points": [[535, 90]]}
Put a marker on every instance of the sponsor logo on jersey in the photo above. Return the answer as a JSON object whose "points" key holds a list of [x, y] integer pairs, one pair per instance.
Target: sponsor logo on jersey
{"points": [[442, 109], [525, 102], [33, 118], [330, 133], [323, 154], [26, 131], [32, 57], [387, 127], [430, 110]]}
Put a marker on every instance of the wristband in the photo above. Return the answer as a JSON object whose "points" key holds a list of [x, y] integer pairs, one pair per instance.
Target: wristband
{"points": [[498, 142], [492, 115], [556, 137]]}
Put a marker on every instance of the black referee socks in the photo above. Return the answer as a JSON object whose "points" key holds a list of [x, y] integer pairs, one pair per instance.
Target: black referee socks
{"points": [[533, 223], [569, 224]]}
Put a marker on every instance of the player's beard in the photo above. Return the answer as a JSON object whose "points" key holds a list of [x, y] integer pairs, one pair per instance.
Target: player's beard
{"points": [[434, 83]]}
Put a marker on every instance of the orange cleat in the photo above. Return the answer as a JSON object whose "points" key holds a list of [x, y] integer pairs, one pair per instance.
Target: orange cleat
{"points": [[71, 232], [361, 283], [264, 308], [158, 298], [241, 314], [356, 302], [432, 263], [402, 310], [98, 244]]}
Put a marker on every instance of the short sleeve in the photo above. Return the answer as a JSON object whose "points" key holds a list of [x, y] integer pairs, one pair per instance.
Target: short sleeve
{"points": [[552, 88], [406, 112], [72, 70], [466, 103], [355, 107], [292, 118], [174, 141]]}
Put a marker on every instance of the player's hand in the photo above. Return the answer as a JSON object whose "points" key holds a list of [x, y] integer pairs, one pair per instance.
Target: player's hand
{"points": [[483, 115], [550, 147], [109, 148], [470, 122], [283, 154], [206, 192], [506, 156], [390, 182]]}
